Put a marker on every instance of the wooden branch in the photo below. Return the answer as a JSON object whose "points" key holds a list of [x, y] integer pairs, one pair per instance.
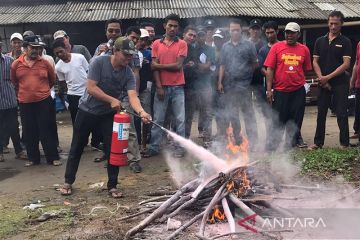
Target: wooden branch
{"points": [[154, 199], [186, 225], [228, 215], [211, 205], [161, 210], [137, 214], [241, 233], [185, 205], [245, 208]]}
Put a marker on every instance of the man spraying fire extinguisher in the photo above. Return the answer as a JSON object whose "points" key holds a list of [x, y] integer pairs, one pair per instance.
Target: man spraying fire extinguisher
{"points": [[110, 79]]}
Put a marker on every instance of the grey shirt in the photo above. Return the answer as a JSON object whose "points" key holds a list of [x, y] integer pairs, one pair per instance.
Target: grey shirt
{"points": [[81, 50], [7, 90], [114, 83], [238, 61]]}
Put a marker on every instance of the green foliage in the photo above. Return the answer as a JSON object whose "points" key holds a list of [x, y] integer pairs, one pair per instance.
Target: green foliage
{"points": [[328, 162]]}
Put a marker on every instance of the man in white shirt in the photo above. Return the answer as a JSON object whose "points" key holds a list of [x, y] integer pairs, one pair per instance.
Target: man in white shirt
{"points": [[71, 68]]}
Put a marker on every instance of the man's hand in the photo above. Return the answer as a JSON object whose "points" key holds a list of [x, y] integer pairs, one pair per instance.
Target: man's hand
{"points": [[115, 104], [220, 88], [323, 80], [160, 93], [145, 117], [269, 97], [103, 48]]}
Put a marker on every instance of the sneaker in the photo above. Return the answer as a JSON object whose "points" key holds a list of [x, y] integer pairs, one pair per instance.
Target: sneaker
{"points": [[97, 147], [355, 145], [355, 136], [135, 167], [21, 156], [6, 150], [314, 147], [179, 153], [301, 144]]}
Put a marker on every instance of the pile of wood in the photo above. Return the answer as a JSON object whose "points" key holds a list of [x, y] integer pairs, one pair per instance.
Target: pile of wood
{"points": [[234, 188]]}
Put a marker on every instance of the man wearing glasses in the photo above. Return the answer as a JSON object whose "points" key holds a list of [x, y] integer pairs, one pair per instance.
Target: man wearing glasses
{"points": [[112, 31]]}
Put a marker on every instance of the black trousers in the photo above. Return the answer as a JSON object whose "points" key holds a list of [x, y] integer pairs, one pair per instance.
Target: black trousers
{"points": [[289, 110], [84, 124], [53, 121], [356, 125], [9, 127], [340, 100], [73, 101], [38, 124]]}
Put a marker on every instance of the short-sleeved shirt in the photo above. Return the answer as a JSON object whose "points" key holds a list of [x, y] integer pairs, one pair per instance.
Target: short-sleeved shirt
{"points": [[189, 71], [74, 73], [204, 54], [331, 56], [167, 55], [7, 89], [33, 83], [263, 52], [145, 71], [112, 82], [357, 83], [238, 61], [290, 63], [81, 50]]}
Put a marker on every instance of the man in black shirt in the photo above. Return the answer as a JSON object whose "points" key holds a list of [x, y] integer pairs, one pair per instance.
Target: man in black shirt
{"points": [[332, 54]]}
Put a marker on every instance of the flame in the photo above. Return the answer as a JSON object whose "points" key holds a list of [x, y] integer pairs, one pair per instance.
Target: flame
{"points": [[217, 215], [230, 186], [237, 152]]}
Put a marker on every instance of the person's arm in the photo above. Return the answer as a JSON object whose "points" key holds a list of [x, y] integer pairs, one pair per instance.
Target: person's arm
{"points": [[159, 89], [353, 75], [269, 83], [220, 87], [338, 71], [316, 66], [136, 105], [51, 74], [13, 77], [87, 54], [176, 66], [95, 91]]}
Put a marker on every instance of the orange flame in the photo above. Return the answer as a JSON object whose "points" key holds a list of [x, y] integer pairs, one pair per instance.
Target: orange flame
{"points": [[217, 215], [237, 152]]}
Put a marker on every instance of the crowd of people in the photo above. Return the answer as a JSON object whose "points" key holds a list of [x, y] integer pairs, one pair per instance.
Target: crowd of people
{"points": [[218, 71]]}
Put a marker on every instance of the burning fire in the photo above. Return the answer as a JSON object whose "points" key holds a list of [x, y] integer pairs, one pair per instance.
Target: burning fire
{"points": [[240, 182], [216, 215]]}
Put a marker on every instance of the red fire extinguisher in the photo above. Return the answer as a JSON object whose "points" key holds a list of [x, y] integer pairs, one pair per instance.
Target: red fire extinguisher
{"points": [[119, 141]]}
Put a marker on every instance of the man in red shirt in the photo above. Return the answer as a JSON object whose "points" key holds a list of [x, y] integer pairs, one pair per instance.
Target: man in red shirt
{"points": [[33, 77], [286, 63], [355, 83], [168, 55]]}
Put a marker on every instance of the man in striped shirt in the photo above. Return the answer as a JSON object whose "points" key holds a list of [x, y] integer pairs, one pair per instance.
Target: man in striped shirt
{"points": [[8, 109]]}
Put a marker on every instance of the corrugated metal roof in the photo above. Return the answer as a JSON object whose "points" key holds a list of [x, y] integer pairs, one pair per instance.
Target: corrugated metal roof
{"points": [[25, 11]]}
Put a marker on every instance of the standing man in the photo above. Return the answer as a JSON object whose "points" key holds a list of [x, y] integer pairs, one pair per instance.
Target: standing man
{"points": [[286, 65], [256, 34], [108, 77], [238, 61], [332, 55], [209, 25], [81, 49], [168, 55], [9, 125], [16, 41], [355, 83], [33, 77], [148, 26], [112, 31], [72, 68]]}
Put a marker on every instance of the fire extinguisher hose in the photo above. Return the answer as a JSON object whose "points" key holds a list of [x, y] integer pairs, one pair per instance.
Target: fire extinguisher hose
{"points": [[137, 115]]}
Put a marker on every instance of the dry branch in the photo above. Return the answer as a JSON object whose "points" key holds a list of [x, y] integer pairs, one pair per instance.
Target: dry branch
{"points": [[186, 225], [154, 199], [245, 208], [137, 214], [228, 215]]}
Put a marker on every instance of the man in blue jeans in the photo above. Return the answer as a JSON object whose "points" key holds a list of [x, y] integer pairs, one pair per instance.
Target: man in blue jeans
{"points": [[168, 55]]}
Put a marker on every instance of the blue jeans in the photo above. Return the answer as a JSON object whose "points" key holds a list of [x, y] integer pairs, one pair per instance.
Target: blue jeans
{"points": [[174, 96]]}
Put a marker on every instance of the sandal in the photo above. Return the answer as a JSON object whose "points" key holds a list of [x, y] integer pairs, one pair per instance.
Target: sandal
{"points": [[314, 147], [115, 193], [56, 163], [66, 189], [2, 159], [30, 163], [100, 159], [21, 156]]}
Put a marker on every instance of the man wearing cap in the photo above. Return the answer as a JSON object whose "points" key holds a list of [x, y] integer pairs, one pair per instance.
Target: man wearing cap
{"points": [[33, 77], [237, 63], [144, 86], [209, 26], [16, 41], [168, 55], [255, 34], [112, 32], [9, 125], [81, 49], [332, 55], [286, 65], [108, 77]]}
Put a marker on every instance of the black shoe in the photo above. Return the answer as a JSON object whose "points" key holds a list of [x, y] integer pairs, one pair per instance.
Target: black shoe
{"points": [[135, 167], [97, 147]]}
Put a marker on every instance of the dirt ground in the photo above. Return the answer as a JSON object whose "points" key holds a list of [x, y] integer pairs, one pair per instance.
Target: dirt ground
{"points": [[89, 213]]}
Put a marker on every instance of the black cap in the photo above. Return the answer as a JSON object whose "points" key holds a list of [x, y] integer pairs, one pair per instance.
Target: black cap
{"points": [[209, 23], [201, 30], [255, 23], [219, 33], [28, 33], [34, 41]]}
